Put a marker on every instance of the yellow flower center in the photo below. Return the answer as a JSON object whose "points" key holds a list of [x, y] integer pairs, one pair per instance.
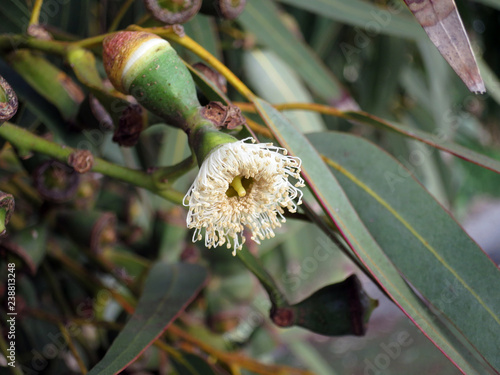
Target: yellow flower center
{"points": [[239, 186]]}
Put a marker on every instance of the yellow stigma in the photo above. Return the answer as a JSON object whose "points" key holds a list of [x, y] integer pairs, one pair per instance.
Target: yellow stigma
{"points": [[238, 186]]}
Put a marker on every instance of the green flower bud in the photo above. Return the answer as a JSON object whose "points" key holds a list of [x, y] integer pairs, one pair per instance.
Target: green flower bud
{"points": [[148, 68]]}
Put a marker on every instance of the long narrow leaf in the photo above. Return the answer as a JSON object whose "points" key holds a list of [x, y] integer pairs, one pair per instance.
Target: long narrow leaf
{"points": [[492, 3], [370, 19], [274, 81], [337, 206], [423, 241], [433, 140], [168, 290], [261, 18]]}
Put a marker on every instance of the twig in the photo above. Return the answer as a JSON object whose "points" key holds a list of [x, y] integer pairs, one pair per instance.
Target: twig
{"points": [[72, 348], [262, 130], [44, 315], [235, 358], [25, 140], [35, 13], [80, 272]]}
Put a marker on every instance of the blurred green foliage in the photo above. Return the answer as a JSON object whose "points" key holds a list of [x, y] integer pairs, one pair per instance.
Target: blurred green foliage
{"points": [[83, 262]]}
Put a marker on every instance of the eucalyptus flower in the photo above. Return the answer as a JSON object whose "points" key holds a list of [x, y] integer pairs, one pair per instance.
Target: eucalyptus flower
{"points": [[242, 184]]}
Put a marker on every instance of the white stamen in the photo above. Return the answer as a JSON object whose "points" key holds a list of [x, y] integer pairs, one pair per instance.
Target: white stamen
{"points": [[259, 210]]}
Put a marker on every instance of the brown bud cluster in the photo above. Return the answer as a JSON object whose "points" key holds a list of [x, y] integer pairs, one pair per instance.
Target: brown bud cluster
{"points": [[81, 161], [223, 116]]}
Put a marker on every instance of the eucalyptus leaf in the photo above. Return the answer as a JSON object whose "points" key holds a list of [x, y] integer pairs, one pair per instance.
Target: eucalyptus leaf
{"points": [[274, 81], [337, 206], [168, 289], [261, 18], [420, 237], [370, 18]]}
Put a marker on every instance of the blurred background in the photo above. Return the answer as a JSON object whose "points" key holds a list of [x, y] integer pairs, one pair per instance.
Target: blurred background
{"points": [[371, 55]]}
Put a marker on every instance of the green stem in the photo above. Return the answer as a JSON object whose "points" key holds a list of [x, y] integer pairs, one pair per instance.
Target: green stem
{"points": [[25, 140], [93, 41], [253, 264], [167, 175], [35, 14], [333, 234], [72, 348], [9, 42]]}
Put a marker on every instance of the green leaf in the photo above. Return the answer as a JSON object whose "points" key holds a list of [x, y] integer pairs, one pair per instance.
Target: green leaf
{"points": [[168, 289], [422, 240], [53, 84], [490, 79], [274, 81], [203, 30], [132, 263], [434, 140], [336, 205], [261, 18], [190, 364], [254, 265], [84, 66], [29, 244], [371, 18], [36, 103], [492, 3]]}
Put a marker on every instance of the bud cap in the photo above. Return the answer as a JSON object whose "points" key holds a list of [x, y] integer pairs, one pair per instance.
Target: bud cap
{"points": [[125, 53]]}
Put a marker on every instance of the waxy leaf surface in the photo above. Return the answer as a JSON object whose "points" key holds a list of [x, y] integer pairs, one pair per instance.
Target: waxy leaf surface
{"points": [[337, 206], [262, 19], [423, 241]]}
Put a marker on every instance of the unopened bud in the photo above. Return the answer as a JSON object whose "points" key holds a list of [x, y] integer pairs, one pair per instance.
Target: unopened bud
{"points": [[148, 68]]}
